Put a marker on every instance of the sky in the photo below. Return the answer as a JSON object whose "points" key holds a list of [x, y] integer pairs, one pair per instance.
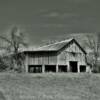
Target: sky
{"points": [[45, 20]]}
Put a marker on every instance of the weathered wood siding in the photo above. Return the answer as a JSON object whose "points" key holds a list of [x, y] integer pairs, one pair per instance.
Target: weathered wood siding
{"points": [[71, 53], [41, 58]]}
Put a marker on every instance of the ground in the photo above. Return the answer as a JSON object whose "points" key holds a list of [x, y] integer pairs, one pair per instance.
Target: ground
{"points": [[58, 86]]}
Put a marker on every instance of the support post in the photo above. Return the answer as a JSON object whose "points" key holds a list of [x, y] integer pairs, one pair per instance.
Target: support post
{"points": [[43, 68], [78, 67], [26, 64], [57, 68], [68, 68]]}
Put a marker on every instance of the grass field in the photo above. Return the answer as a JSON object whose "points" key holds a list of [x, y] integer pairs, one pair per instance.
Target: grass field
{"points": [[59, 86]]}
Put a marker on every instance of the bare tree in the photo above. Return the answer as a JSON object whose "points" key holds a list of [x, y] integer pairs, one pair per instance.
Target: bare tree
{"points": [[15, 42], [93, 44]]}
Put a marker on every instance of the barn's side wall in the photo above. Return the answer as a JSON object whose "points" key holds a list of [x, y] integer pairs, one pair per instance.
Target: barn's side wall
{"points": [[46, 58]]}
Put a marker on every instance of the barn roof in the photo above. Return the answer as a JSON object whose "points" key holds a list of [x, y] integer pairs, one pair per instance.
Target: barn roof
{"points": [[54, 47]]}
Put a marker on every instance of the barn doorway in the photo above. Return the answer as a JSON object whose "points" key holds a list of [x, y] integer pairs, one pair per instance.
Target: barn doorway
{"points": [[62, 68], [50, 68], [73, 66], [82, 68], [35, 69]]}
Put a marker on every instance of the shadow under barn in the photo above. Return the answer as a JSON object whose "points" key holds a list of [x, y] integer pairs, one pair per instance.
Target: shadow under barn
{"points": [[50, 68], [73, 66], [35, 69], [62, 68]]}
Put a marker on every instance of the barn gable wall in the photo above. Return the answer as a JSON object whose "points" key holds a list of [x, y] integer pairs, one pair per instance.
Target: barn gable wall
{"points": [[71, 53]]}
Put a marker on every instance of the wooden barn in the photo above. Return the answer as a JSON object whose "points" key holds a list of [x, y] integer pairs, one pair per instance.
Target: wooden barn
{"points": [[64, 56]]}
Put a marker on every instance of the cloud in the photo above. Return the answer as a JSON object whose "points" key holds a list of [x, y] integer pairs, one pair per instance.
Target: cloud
{"points": [[52, 14], [60, 15], [53, 25], [69, 15]]}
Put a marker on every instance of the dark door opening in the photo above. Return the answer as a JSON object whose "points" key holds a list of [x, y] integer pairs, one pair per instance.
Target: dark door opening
{"points": [[35, 68], [73, 66], [82, 68], [50, 68], [62, 68]]}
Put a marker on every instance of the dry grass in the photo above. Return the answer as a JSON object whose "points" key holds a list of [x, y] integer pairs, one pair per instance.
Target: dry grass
{"points": [[59, 86]]}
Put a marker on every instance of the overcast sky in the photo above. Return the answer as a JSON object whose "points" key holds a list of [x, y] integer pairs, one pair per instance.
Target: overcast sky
{"points": [[43, 20]]}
